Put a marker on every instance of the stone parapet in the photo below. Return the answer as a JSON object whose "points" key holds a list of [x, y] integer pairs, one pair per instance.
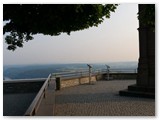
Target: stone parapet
{"points": [[11, 87], [73, 81], [68, 82], [121, 76]]}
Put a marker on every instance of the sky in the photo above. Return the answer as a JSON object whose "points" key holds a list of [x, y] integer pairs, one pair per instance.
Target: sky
{"points": [[115, 40]]}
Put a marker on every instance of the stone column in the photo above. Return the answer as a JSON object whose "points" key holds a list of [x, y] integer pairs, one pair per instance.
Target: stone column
{"points": [[145, 83], [58, 83], [146, 65]]}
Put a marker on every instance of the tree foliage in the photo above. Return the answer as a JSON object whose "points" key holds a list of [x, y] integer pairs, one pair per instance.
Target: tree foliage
{"points": [[147, 15], [26, 20]]}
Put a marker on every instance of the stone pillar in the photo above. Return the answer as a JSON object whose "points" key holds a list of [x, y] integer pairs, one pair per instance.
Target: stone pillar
{"points": [[146, 65], [145, 83], [58, 83]]}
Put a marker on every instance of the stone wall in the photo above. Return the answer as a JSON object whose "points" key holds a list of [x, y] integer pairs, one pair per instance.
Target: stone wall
{"points": [[11, 87], [68, 82], [122, 76], [76, 81]]}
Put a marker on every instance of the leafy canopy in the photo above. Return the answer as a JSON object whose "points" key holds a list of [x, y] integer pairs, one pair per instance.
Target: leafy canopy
{"points": [[26, 20], [147, 15]]}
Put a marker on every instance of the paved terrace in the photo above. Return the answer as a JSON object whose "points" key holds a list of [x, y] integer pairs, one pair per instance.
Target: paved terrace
{"points": [[101, 99]]}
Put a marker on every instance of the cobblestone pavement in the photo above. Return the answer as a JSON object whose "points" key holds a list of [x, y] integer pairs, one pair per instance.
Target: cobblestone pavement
{"points": [[101, 99]]}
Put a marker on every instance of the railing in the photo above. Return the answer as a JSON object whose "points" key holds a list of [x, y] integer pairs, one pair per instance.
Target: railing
{"points": [[37, 100], [85, 72], [123, 70], [71, 74], [82, 73]]}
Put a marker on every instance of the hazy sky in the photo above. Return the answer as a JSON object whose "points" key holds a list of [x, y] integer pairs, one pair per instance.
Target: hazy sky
{"points": [[116, 39]]}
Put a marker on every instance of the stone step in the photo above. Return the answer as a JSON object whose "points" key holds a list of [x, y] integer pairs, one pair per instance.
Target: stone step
{"points": [[137, 94], [141, 88]]}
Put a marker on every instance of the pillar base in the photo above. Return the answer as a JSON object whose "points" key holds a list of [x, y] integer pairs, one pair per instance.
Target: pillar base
{"points": [[138, 91]]}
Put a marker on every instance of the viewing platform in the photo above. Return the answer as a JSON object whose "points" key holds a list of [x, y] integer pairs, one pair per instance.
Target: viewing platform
{"points": [[101, 99], [75, 94]]}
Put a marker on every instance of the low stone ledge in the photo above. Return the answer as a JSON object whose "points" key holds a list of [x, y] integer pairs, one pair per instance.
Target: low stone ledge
{"points": [[68, 82], [73, 81], [22, 87], [121, 76]]}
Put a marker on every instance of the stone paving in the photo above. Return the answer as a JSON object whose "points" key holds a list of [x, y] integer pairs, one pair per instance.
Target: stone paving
{"points": [[101, 99]]}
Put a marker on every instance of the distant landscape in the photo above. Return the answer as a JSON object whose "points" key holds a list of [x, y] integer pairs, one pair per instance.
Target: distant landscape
{"points": [[42, 71]]}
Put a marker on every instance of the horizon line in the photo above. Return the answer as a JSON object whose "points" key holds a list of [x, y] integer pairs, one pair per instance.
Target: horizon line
{"points": [[26, 64]]}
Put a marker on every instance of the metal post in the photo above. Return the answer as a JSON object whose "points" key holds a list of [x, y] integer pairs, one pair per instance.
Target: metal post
{"points": [[107, 71], [58, 83], [90, 73]]}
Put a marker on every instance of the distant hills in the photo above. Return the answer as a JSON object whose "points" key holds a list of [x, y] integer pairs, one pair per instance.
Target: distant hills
{"points": [[42, 71]]}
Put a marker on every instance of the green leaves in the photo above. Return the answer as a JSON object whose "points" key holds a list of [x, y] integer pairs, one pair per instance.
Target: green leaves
{"points": [[147, 16], [15, 40], [26, 20]]}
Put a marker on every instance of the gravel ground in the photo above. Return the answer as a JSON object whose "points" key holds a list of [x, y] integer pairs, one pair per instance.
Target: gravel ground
{"points": [[101, 99]]}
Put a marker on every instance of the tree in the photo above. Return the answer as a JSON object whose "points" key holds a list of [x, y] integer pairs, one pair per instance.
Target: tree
{"points": [[26, 20], [146, 16]]}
